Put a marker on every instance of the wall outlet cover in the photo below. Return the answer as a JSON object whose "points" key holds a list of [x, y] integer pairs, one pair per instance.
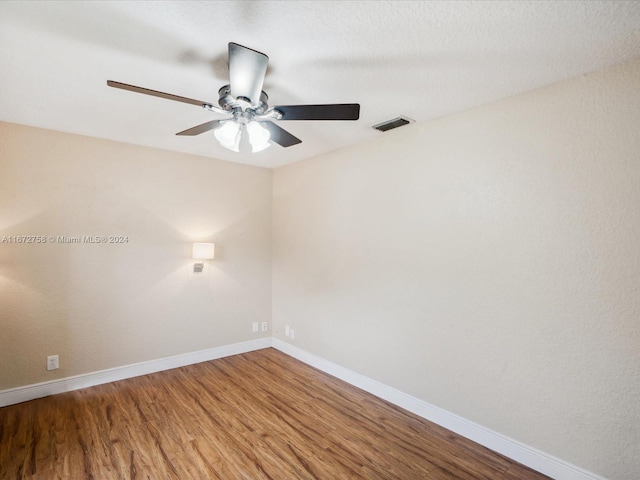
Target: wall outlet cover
{"points": [[53, 362]]}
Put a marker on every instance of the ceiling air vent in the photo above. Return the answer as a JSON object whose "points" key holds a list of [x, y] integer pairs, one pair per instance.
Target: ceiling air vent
{"points": [[393, 123]]}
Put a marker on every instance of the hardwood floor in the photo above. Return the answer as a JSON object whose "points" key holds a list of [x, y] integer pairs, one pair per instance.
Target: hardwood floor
{"points": [[260, 415]]}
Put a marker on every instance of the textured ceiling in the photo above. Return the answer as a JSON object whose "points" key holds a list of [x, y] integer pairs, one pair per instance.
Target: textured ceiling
{"points": [[418, 59]]}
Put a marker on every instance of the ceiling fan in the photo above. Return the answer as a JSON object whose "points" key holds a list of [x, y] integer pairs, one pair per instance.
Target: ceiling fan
{"points": [[251, 125]]}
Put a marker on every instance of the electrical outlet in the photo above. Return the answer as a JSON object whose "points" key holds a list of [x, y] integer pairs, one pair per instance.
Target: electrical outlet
{"points": [[53, 362], [286, 330], [255, 327], [265, 326], [292, 334]]}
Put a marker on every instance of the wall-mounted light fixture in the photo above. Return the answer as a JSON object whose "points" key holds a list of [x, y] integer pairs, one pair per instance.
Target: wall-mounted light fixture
{"points": [[202, 251]]}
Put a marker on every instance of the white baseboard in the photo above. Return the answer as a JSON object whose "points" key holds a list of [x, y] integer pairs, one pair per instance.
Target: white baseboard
{"points": [[521, 453], [39, 390]]}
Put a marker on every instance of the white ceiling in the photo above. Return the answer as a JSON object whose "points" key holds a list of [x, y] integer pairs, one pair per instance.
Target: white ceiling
{"points": [[416, 58]]}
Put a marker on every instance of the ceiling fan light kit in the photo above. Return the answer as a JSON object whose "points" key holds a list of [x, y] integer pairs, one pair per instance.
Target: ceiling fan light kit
{"points": [[243, 136], [251, 128]]}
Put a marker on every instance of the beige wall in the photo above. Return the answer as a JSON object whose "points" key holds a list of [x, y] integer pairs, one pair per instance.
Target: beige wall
{"points": [[487, 263], [104, 306]]}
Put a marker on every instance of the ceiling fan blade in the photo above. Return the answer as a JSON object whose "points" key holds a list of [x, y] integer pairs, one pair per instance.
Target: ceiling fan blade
{"points": [[247, 69], [155, 93], [335, 111], [280, 135], [205, 127]]}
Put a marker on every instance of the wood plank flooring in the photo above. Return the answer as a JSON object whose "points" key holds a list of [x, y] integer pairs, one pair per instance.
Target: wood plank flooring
{"points": [[260, 415]]}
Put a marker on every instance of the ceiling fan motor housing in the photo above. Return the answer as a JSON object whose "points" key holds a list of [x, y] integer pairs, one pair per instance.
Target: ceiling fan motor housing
{"points": [[229, 102]]}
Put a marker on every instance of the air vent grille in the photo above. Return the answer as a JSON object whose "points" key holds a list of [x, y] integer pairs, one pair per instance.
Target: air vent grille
{"points": [[391, 124]]}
